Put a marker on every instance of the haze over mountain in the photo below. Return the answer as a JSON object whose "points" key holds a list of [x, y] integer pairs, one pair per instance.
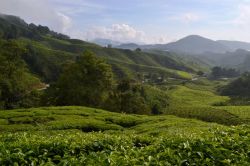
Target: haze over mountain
{"points": [[238, 59], [234, 45], [105, 42], [129, 46]]}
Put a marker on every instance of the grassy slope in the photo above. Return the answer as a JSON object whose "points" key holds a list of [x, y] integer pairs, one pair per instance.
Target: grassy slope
{"points": [[191, 61], [187, 97], [56, 52], [243, 112], [198, 99]]}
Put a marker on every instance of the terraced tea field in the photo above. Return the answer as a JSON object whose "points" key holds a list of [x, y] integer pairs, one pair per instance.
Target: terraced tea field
{"points": [[87, 136]]}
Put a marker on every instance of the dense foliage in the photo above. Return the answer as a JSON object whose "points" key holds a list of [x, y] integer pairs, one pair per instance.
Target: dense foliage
{"points": [[121, 139], [219, 72], [128, 97], [85, 82], [239, 87], [16, 83], [230, 147]]}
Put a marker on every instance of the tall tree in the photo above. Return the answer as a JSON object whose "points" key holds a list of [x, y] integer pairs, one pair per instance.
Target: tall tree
{"points": [[128, 98], [85, 82]]}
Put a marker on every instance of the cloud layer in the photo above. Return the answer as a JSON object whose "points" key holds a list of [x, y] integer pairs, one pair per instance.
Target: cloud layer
{"points": [[122, 33], [116, 32], [186, 17]]}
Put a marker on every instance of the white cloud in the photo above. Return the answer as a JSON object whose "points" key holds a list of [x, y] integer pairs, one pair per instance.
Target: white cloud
{"points": [[118, 32], [121, 32], [37, 11], [243, 18], [65, 22], [186, 18]]}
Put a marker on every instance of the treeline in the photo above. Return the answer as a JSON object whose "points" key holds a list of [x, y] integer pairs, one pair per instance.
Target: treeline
{"points": [[16, 27], [238, 88], [219, 72]]}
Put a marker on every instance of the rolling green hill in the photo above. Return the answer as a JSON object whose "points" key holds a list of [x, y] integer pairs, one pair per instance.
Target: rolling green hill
{"points": [[47, 51]]}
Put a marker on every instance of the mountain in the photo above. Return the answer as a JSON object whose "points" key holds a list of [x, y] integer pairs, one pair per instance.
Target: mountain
{"points": [[234, 45], [195, 44], [105, 42]]}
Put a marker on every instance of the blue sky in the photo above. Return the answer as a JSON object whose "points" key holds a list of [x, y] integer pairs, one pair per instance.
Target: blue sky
{"points": [[141, 21]]}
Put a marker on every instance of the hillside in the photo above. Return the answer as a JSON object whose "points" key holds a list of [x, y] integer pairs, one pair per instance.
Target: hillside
{"points": [[237, 59], [48, 50]]}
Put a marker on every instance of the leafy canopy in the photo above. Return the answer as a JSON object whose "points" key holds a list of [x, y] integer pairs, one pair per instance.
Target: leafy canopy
{"points": [[15, 80], [85, 82]]}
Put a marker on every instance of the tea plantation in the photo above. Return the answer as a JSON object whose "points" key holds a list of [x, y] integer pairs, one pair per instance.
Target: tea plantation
{"points": [[87, 136]]}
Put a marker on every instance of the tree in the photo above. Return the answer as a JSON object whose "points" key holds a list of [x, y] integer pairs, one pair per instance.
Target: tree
{"points": [[200, 73], [218, 72], [85, 82], [128, 98], [138, 49], [238, 88], [155, 110]]}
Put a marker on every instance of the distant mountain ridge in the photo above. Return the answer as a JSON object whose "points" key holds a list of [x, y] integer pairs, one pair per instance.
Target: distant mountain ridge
{"points": [[231, 54], [193, 44]]}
